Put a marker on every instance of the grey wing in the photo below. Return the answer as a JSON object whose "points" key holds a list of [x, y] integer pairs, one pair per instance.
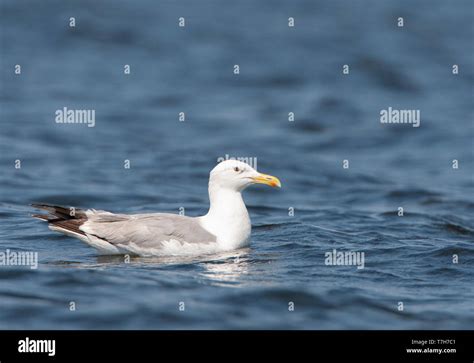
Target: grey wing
{"points": [[145, 230]]}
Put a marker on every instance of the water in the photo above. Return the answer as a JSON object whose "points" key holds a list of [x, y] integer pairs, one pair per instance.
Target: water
{"points": [[407, 259]]}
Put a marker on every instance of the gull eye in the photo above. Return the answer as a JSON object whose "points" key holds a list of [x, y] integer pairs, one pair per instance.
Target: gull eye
{"points": [[236, 169]]}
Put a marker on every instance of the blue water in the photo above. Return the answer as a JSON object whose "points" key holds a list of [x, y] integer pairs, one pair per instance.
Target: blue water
{"points": [[408, 258]]}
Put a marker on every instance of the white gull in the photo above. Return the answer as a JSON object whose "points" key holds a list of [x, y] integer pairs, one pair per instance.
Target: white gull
{"points": [[225, 227]]}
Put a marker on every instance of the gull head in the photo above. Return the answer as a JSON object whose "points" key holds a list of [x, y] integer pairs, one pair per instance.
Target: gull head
{"points": [[237, 175]]}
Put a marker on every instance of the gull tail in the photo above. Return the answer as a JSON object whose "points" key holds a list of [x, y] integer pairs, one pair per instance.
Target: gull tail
{"points": [[62, 219]]}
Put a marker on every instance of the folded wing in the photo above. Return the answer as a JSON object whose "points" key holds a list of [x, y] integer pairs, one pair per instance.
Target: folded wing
{"points": [[145, 230], [112, 233]]}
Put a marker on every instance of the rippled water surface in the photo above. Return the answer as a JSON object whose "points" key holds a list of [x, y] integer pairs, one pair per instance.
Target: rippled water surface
{"points": [[408, 259]]}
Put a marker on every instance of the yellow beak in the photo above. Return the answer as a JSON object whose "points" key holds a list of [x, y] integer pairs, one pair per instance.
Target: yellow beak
{"points": [[268, 180]]}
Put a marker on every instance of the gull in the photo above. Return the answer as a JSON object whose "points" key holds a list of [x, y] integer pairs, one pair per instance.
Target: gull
{"points": [[225, 227]]}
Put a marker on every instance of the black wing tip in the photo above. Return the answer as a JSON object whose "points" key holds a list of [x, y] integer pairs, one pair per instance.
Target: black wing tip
{"points": [[43, 217], [58, 212], [41, 205]]}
